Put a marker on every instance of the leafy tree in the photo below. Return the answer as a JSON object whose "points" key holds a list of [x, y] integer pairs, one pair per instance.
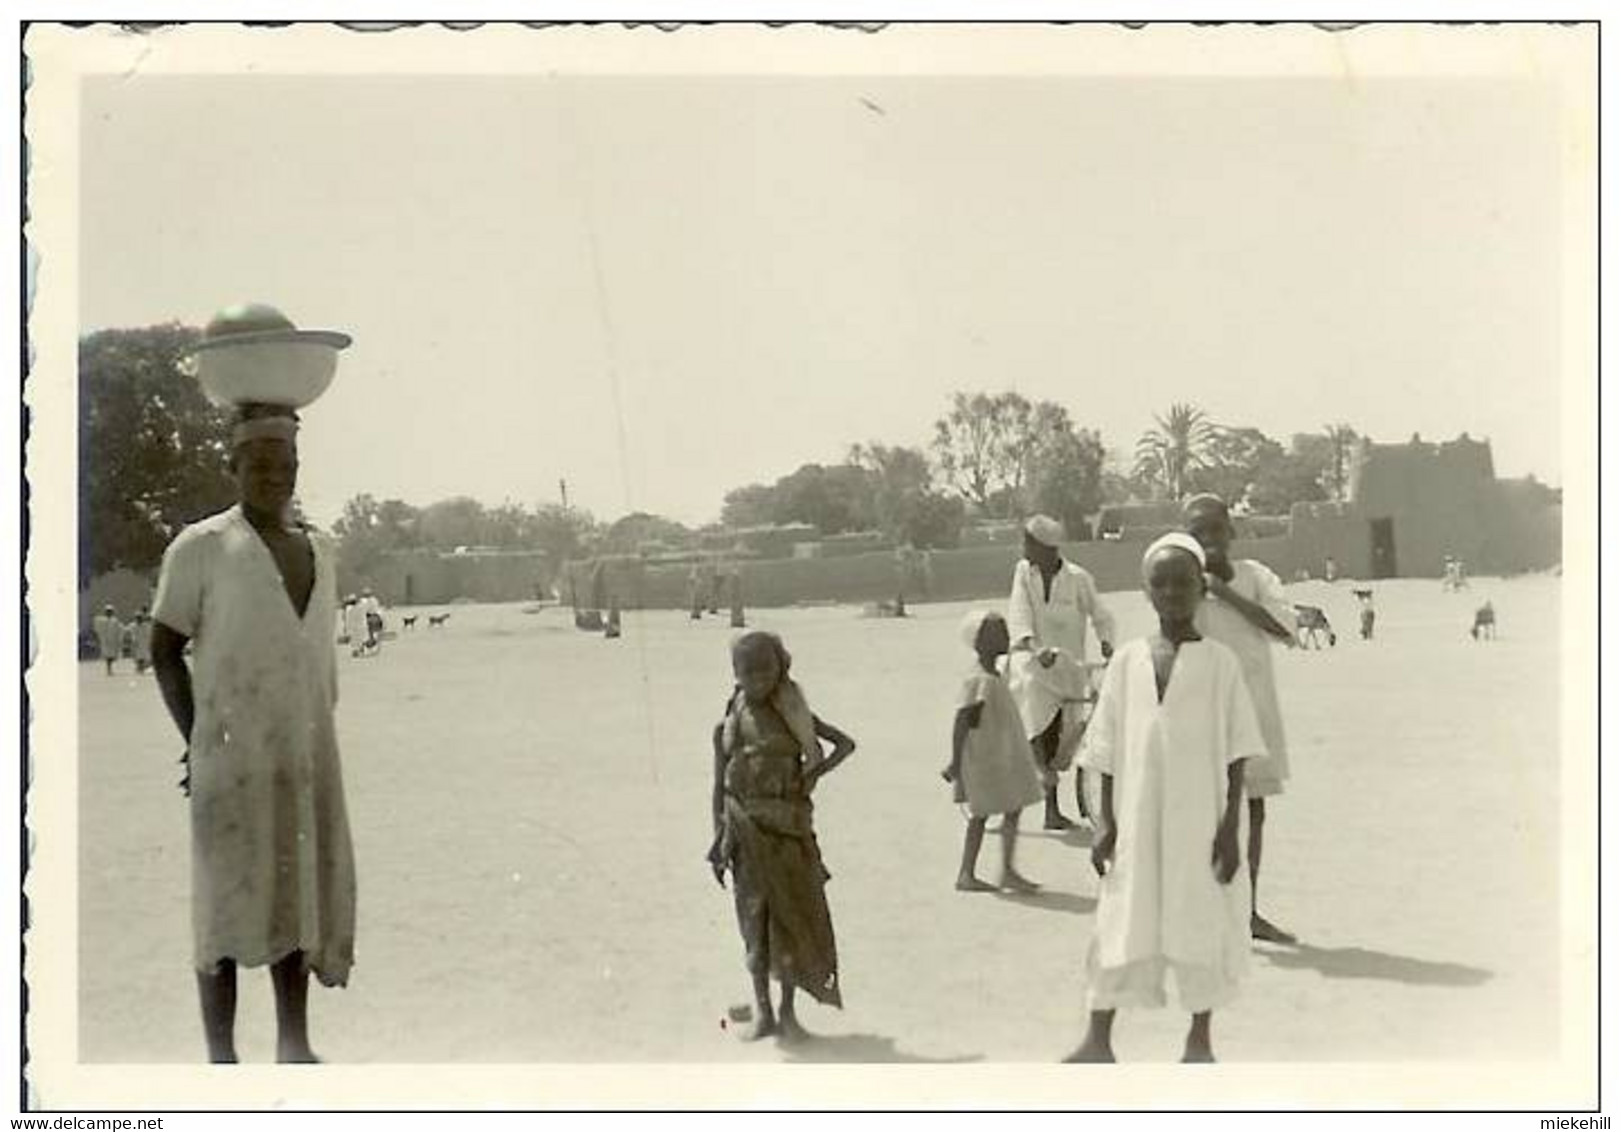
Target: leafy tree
{"points": [[1066, 479], [904, 502], [1235, 460], [832, 499], [152, 448], [976, 444], [1008, 455], [752, 505], [453, 522], [1296, 477], [626, 534], [1177, 445], [563, 532]]}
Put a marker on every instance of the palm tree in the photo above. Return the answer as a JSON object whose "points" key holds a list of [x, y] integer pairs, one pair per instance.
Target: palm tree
{"points": [[1342, 439], [1177, 445]]}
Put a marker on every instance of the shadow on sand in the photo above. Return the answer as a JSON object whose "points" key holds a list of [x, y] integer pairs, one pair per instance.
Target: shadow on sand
{"points": [[1050, 900], [859, 1048], [1361, 963]]}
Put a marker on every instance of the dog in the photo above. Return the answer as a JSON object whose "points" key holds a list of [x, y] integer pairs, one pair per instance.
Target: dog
{"points": [[409, 622], [1485, 626], [437, 619], [1311, 626]]}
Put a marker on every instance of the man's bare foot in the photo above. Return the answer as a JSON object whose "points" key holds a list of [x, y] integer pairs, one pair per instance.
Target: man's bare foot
{"points": [[789, 1031], [1267, 932], [225, 1057], [1091, 1053], [762, 1026], [297, 1055], [1057, 822], [1198, 1054], [971, 883], [1014, 882]]}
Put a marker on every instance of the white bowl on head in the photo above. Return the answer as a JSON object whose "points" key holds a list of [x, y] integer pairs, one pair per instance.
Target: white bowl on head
{"points": [[277, 372]]}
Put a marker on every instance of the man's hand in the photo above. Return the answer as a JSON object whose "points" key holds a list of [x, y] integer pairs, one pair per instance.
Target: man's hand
{"points": [[1103, 850], [1224, 853], [1046, 657], [1106, 649], [185, 778], [949, 773], [1217, 586], [717, 863]]}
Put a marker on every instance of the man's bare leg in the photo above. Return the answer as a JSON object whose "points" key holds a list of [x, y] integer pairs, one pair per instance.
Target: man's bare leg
{"points": [[972, 839], [765, 1019], [216, 991], [1198, 1043], [291, 979], [788, 1027], [1260, 927], [1096, 1047]]}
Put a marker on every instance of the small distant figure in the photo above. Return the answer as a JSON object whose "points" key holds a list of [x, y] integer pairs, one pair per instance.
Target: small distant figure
{"points": [[354, 625], [611, 630], [1312, 627], [408, 623], [1453, 577], [993, 766], [695, 592], [738, 619], [372, 612], [1364, 600], [1173, 731], [1331, 570], [140, 640], [768, 760], [1485, 626], [109, 635], [437, 619]]}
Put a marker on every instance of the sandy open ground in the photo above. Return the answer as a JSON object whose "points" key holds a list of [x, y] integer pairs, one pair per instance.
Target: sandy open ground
{"points": [[530, 810]]}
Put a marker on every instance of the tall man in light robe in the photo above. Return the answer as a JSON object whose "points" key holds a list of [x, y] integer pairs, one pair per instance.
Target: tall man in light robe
{"points": [[273, 877], [1247, 611]]}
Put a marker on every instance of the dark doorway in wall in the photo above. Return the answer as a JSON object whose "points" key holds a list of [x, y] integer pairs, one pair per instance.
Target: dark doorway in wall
{"points": [[1383, 532], [410, 590]]}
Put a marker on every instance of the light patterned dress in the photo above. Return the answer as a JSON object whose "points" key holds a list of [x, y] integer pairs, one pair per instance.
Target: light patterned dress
{"points": [[272, 863], [999, 774]]}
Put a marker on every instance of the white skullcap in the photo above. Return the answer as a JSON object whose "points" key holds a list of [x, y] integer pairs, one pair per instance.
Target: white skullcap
{"points": [[1175, 540], [1045, 530]]}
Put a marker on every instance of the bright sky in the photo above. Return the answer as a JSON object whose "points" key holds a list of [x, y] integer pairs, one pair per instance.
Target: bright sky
{"points": [[662, 288]]}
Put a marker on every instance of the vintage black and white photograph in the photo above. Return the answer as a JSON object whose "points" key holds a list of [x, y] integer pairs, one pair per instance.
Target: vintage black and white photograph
{"points": [[1025, 548]]}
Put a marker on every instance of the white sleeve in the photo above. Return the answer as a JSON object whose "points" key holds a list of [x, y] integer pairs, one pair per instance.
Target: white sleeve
{"points": [[1021, 610], [1105, 732], [1092, 606], [179, 600], [1270, 596]]}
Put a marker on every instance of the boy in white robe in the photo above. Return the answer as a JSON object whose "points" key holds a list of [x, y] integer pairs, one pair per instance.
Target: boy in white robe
{"points": [[1172, 730]]}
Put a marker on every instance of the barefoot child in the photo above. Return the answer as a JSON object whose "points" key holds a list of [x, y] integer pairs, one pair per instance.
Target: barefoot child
{"points": [[993, 767], [1172, 729], [768, 759], [1248, 612]]}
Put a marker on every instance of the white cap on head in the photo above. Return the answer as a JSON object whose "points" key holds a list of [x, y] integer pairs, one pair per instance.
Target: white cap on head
{"points": [[972, 622], [1175, 540], [1045, 529]]}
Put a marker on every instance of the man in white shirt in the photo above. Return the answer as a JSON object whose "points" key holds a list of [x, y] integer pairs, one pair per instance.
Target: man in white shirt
{"points": [[1048, 610]]}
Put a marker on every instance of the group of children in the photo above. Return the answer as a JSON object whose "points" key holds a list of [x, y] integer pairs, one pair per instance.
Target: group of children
{"points": [[1186, 729]]}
